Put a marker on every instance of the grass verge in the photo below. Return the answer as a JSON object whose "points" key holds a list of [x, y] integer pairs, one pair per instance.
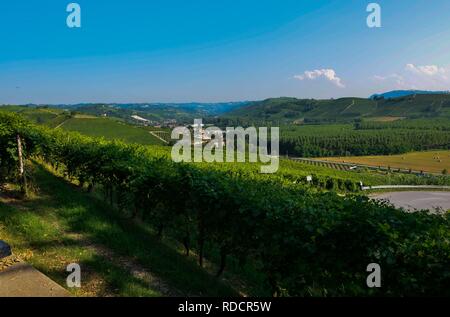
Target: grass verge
{"points": [[61, 224]]}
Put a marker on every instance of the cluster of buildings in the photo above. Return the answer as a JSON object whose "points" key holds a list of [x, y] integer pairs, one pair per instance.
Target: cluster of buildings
{"points": [[168, 123]]}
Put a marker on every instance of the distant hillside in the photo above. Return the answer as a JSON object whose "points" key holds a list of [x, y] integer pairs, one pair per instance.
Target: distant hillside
{"points": [[109, 128], [157, 112], [291, 110], [282, 110], [404, 93]]}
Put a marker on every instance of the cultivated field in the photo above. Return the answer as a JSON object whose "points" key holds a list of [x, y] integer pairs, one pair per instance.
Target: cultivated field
{"points": [[110, 130], [428, 161]]}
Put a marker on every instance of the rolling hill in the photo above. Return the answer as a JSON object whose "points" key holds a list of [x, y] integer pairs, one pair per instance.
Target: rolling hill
{"points": [[291, 110], [109, 128], [156, 112]]}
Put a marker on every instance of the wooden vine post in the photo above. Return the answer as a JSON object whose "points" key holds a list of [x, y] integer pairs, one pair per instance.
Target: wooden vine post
{"points": [[22, 176]]}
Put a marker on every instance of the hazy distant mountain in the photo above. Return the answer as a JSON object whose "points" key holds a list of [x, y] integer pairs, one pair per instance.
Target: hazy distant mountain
{"points": [[158, 112], [206, 108], [403, 93], [190, 107]]}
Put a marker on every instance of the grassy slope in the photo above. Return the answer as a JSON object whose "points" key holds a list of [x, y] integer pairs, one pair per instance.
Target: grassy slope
{"points": [[110, 129], [429, 161], [42, 230], [291, 109], [93, 126], [37, 115]]}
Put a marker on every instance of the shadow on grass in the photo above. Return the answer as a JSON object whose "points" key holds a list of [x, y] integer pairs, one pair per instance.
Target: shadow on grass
{"points": [[77, 212], [115, 280]]}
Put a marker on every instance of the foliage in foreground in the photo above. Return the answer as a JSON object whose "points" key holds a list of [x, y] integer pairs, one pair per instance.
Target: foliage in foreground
{"points": [[304, 243]]}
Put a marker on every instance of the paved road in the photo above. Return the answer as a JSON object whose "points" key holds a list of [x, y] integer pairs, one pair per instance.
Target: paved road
{"points": [[417, 200]]}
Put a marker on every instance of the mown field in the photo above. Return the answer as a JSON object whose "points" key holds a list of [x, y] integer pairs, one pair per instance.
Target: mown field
{"points": [[427, 161]]}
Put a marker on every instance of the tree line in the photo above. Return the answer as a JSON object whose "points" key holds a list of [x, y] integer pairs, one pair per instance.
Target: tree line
{"points": [[362, 142]]}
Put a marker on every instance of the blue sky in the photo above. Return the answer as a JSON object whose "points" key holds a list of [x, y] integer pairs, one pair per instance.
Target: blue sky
{"points": [[217, 50]]}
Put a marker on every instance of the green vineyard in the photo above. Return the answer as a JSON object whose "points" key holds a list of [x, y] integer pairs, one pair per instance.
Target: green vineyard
{"points": [[302, 241]]}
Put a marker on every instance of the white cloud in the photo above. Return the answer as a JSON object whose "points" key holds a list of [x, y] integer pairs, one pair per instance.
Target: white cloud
{"points": [[426, 77], [328, 74], [427, 70], [397, 79]]}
